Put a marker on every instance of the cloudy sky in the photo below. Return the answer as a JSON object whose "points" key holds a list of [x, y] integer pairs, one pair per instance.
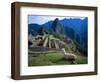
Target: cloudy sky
{"points": [[43, 19]]}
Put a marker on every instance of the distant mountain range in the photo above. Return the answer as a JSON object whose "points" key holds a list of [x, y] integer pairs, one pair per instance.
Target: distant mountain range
{"points": [[74, 28]]}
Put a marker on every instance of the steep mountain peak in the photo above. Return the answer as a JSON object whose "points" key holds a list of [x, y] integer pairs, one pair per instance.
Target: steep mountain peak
{"points": [[54, 24], [56, 20], [57, 28]]}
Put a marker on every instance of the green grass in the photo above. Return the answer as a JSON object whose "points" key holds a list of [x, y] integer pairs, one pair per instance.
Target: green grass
{"points": [[56, 58], [38, 61], [81, 59]]}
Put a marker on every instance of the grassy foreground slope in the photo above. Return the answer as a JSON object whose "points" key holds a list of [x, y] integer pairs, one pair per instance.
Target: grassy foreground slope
{"points": [[56, 58]]}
